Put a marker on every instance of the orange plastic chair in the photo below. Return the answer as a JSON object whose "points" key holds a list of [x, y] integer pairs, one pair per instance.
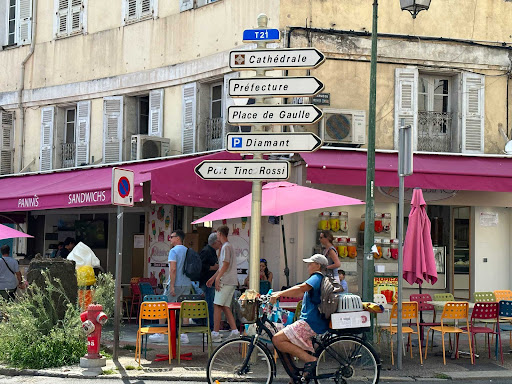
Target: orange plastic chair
{"points": [[453, 310], [504, 294], [153, 310], [409, 312]]}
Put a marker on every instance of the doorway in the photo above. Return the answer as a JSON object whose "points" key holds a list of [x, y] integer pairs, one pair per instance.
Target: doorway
{"points": [[461, 251]]}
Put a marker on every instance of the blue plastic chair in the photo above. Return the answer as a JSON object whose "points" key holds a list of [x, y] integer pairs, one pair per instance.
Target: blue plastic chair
{"points": [[151, 298], [146, 289], [505, 310]]}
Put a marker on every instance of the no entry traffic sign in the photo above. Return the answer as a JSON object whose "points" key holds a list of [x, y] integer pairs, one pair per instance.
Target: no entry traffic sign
{"points": [[122, 187]]}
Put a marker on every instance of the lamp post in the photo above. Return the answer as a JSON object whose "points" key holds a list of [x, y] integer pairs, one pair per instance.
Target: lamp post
{"points": [[414, 7]]}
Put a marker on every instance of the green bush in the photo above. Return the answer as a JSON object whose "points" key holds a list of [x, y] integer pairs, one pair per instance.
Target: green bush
{"points": [[32, 334], [104, 293]]}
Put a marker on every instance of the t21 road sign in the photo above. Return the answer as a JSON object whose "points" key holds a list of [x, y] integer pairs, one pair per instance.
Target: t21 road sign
{"points": [[275, 86], [267, 35], [273, 142], [275, 59], [274, 114], [243, 170]]}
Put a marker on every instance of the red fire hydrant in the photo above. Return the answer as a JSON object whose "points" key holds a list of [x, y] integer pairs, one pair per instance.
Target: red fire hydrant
{"points": [[92, 321]]}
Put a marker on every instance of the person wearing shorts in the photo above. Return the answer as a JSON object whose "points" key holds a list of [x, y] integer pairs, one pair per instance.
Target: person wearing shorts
{"points": [[225, 280], [296, 338]]}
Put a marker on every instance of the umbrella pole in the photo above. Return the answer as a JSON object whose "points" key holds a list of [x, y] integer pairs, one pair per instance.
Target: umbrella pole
{"points": [[286, 270]]}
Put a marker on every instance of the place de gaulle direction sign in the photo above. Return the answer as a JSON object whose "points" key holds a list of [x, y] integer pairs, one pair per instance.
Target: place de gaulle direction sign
{"points": [[274, 114], [291, 142], [267, 35], [247, 170], [275, 86], [275, 59]]}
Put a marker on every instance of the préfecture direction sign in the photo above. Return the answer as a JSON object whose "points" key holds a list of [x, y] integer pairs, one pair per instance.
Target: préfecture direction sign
{"points": [[275, 58], [243, 170], [273, 142], [275, 86], [274, 114]]}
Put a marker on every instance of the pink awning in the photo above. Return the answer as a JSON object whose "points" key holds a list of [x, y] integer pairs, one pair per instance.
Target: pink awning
{"points": [[177, 184], [431, 171], [173, 181]]}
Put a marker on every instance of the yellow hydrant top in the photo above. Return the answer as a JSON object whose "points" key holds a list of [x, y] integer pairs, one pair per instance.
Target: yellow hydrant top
{"points": [[85, 276]]}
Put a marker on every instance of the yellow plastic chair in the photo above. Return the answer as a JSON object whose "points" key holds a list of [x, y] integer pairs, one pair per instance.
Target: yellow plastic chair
{"points": [[194, 309], [153, 310], [409, 312], [453, 310], [379, 298], [504, 294]]}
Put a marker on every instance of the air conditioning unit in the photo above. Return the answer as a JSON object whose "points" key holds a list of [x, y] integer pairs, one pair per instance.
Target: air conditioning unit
{"points": [[343, 126], [148, 147]]}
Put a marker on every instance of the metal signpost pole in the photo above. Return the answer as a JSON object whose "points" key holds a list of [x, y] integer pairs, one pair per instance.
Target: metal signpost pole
{"points": [[405, 167], [119, 267]]}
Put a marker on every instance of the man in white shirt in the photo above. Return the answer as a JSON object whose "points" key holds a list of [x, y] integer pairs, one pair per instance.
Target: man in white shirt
{"points": [[225, 280]]}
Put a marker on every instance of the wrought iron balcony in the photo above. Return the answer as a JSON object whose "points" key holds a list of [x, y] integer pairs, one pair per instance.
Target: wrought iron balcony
{"points": [[214, 134], [435, 132], [68, 155]]}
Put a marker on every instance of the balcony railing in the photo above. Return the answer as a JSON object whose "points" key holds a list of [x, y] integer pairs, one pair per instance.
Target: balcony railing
{"points": [[435, 131], [68, 155]]}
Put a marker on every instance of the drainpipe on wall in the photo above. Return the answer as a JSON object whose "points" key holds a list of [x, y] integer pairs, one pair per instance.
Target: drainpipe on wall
{"points": [[22, 85]]}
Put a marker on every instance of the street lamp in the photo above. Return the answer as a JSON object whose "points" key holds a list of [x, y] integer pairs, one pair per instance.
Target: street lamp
{"points": [[414, 6]]}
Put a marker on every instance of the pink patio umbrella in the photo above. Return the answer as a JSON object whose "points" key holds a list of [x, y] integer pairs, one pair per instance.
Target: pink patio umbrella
{"points": [[10, 233], [278, 199]]}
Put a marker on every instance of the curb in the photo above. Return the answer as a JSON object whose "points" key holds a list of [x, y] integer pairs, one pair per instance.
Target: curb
{"points": [[487, 375]]}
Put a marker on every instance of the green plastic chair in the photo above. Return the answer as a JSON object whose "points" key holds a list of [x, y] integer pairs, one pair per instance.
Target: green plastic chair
{"points": [[196, 309], [443, 297], [484, 297]]}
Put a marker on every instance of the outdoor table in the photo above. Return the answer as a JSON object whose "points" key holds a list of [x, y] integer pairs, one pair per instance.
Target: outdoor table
{"points": [[173, 308]]}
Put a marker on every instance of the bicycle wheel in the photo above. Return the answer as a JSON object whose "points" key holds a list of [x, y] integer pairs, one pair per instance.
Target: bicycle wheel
{"points": [[227, 363], [348, 359]]}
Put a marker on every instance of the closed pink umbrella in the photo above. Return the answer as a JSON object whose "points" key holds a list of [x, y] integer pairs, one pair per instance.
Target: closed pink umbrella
{"points": [[10, 233], [419, 261]]}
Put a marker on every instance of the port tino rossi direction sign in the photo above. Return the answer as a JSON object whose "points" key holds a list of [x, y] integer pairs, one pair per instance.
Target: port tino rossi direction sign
{"points": [[273, 142], [275, 58], [275, 86], [274, 114], [243, 170]]}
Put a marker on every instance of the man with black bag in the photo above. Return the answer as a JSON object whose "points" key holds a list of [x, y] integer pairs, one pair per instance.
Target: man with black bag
{"points": [[10, 275], [210, 265]]}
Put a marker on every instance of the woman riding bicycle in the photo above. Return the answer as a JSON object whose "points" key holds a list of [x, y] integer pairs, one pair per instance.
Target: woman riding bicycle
{"points": [[296, 338]]}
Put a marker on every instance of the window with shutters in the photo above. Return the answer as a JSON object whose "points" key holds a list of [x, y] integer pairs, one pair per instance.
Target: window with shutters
{"points": [[7, 142], [445, 111], [70, 17], [16, 27], [137, 10]]}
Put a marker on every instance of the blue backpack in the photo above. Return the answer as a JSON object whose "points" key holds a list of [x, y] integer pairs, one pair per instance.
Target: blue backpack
{"points": [[192, 265]]}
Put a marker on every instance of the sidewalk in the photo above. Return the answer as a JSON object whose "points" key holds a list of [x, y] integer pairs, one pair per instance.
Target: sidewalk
{"points": [[432, 369]]}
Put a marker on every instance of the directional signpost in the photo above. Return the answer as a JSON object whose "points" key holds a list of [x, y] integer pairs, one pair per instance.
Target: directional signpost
{"points": [[266, 35], [243, 170], [274, 114], [275, 58], [273, 142], [275, 86]]}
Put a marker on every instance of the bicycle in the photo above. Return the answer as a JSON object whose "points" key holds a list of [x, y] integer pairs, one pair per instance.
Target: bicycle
{"points": [[343, 357]]}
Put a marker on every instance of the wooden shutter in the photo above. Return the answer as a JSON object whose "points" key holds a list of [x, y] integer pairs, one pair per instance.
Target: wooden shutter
{"points": [[473, 112], [62, 17], [75, 16], [47, 128], [112, 128], [145, 8], [82, 134], [406, 101], [130, 10], [156, 103], [185, 5], [189, 118], [24, 22], [7, 142]]}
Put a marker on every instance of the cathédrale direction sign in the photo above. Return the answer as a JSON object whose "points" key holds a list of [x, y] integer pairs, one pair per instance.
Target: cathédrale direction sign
{"points": [[273, 142], [243, 170], [275, 86], [274, 114], [276, 58]]}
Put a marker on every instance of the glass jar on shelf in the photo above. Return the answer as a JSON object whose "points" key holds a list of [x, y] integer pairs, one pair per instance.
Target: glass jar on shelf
{"points": [[352, 248], [323, 222], [334, 221], [386, 222], [386, 249], [344, 222], [378, 244], [394, 248], [378, 223], [342, 247]]}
